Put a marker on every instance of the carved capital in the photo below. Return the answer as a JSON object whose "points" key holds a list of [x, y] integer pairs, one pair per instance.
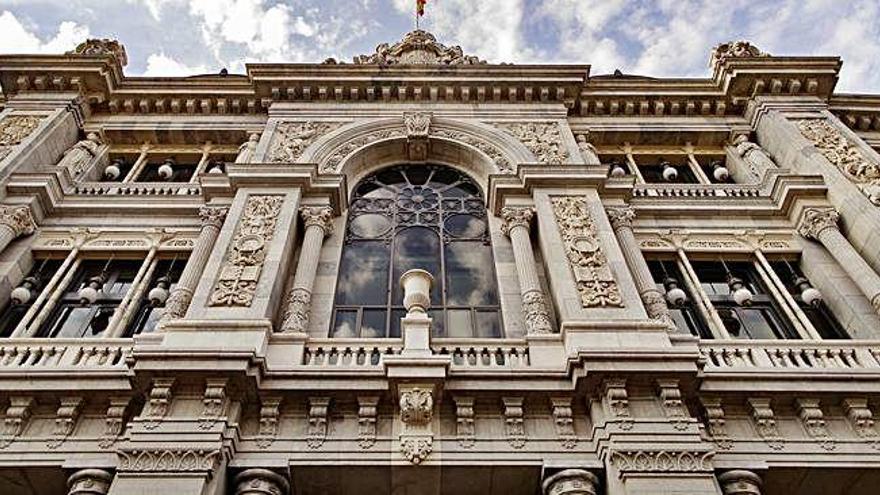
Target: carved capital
{"points": [[571, 482], [89, 482], [516, 216], [19, 219], [815, 220], [260, 482], [740, 482], [621, 217], [213, 216], [319, 216]]}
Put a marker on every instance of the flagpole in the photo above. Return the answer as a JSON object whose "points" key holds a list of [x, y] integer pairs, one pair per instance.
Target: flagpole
{"points": [[417, 15]]}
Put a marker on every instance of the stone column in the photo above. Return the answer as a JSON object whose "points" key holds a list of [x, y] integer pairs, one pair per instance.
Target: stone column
{"points": [[317, 221], [621, 218], [534, 304], [15, 221], [178, 301], [821, 224], [260, 482], [740, 482], [89, 482], [571, 482]]}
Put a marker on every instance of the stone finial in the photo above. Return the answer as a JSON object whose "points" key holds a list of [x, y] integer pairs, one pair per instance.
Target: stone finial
{"points": [[89, 482], [740, 482], [260, 482], [571, 482], [320, 216], [815, 220], [18, 218], [621, 217], [417, 48], [734, 49], [213, 215], [102, 47], [516, 216]]}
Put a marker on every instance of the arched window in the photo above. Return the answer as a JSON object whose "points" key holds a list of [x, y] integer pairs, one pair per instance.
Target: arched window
{"points": [[417, 216]]}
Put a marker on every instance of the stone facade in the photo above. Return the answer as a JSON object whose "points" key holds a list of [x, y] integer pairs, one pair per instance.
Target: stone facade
{"points": [[175, 258]]}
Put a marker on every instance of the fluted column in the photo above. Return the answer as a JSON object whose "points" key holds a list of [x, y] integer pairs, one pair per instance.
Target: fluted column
{"points": [[621, 218], [740, 482], [318, 224], [178, 302], [260, 482], [89, 482], [534, 304], [821, 224], [15, 221], [571, 482]]}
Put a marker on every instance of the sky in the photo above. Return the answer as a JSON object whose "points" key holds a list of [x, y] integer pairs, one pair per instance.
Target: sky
{"points": [[660, 38]]}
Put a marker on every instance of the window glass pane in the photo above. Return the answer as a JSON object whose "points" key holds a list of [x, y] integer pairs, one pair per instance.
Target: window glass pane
{"points": [[467, 226], [373, 323], [460, 324], [758, 323], [73, 321], [396, 315], [363, 274], [469, 274], [438, 322], [344, 326], [488, 325], [416, 247], [370, 225]]}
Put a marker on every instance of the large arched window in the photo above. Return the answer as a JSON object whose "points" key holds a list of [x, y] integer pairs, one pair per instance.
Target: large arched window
{"points": [[417, 216]]}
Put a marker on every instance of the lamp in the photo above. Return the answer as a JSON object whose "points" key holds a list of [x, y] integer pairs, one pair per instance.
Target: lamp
{"points": [[742, 295], [166, 170], [23, 293], [809, 294], [617, 169], [675, 296], [216, 168], [669, 172], [89, 293], [719, 171], [113, 171], [159, 294]]}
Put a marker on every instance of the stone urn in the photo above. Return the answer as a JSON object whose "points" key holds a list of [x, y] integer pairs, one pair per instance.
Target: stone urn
{"points": [[416, 285]]}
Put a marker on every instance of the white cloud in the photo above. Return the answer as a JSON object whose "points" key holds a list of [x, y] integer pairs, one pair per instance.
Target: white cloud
{"points": [[161, 65], [17, 38]]}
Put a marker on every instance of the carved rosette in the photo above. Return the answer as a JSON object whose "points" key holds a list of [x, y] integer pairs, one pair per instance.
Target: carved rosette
{"points": [[543, 139], [14, 129], [89, 482], [260, 482], [734, 49], [571, 482], [102, 48], [595, 282], [297, 310], [844, 155], [416, 413], [292, 138], [18, 219], [416, 48], [213, 216], [661, 461], [815, 220], [244, 260]]}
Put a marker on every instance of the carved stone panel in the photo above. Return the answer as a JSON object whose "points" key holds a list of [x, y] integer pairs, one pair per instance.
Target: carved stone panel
{"points": [[14, 129], [292, 138], [416, 414], [544, 139], [592, 274], [844, 155]]}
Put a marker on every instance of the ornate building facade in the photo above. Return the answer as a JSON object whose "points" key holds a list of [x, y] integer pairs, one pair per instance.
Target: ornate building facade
{"points": [[422, 273]]}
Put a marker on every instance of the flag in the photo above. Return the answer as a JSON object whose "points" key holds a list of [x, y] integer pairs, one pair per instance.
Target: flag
{"points": [[420, 7]]}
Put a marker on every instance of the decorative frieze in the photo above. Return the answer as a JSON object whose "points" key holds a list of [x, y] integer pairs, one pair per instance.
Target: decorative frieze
{"points": [[14, 129], [563, 419], [270, 411], [615, 402], [316, 431], [114, 421], [416, 413], [168, 460], [18, 219], [595, 282], [367, 417], [661, 461], [65, 421], [501, 162], [514, 425], [158, 403], [213, 403], [765, 423], [813, 420], [244, 260], [716, 423], [543, 139], [17, 416], [861, 419], [672, 404], [331, 164], [292, 138], [844, 155], [465, 427]]}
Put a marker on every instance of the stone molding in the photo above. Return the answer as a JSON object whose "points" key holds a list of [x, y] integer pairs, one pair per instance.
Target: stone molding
{"points": [[844, 155], [18, 415], [168, 460], [571, 482], [661, 461], [214, 403], [615, 402], [158, 402], [18, 219], [89, 482], [258, 481], [861, 419], [814, 423], [815, 220], [674, 409], [114, 421], [716, 423]]}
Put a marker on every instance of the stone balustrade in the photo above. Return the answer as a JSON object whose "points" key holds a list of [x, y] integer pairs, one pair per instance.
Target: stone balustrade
{"points": [[135, 189], [845, 356], [34, 354], [697, 191]]}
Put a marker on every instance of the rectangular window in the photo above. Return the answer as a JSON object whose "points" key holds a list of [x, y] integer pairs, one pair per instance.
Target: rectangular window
{"points": [[808, 299], [683, 310], [23, 296]]}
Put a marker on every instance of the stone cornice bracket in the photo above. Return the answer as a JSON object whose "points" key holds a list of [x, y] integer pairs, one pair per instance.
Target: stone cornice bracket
{"points": [[716, 423], [615, 402], [571, 482], [214, 402], [114, 421], [417, 126], [810, 414], [260, 482], [740, 482], [158, 402], [18, 219], [673, 406], [861, 419], [416, 414], [765, 423], [17, 416], [316, 433], [514, 425], [213, 216], [65, 421], [465, 428], [270, 412], [89, 482], [367, 417], [563, 419], [814, 221]]}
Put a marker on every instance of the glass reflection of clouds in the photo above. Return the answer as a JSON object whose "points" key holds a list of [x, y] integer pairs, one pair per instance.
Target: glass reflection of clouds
{"points": [[420, 216]]}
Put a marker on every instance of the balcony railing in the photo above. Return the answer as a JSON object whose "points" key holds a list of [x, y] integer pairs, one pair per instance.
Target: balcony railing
{"points": [[54, 354], [136, 189], [791, 355]]}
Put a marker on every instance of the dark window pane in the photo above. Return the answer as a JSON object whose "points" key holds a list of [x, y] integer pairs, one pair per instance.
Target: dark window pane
{"points": [[759, 323], [363, 274], [344, 325], [396, 315], [416, 247], [470, 275], [370, 225], [466, 226], [488, 325], [373, 323], [438, 322], [460, 324]]}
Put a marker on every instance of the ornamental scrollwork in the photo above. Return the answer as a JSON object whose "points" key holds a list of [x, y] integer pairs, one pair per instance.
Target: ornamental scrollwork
{"points": [[243, 264], [17, 416], [316, 433], [367, 418], [563, 419], [65, 421], [102, 47], [416, 406], [844, 155], [861, 419], [416, 412], [14, 129], [514, 425], [595, 282], [543, 139], [465, 429], [297, 310], [168, 460], [716, 423], [765, 423], [813, 419], [270, 412], [292, 138], [501, 162], [331, 165], [417, 48], [114, 421], [735, 49], [661, 461]]}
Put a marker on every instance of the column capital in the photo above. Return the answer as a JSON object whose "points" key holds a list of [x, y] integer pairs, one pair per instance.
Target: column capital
{"points": [[740, 482], [571, 482], [89, 482], [814, 221], [319, 216], [213, 215], [260, 482], [18, 218], [621, 217], [516, 216]]}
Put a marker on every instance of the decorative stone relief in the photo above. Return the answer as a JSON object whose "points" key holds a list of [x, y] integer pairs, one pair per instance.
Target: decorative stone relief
{"points": [[615, 401], [417, 125], [77, 158], [292, 138], [159, 402], [765, 423], [367, 418], [102, 47], [17, 416], [844, 155], [563, 419], [114, 421], [14, 129], [213, 216], [673, 406], [416, 413], [595, 282], [813, 420], [416, 48], [754, 156], [861, 419], [814, 220], [571, 482], [716, 423], [260, 482], [248, 149], [543, 139], [213, 403], [297, 308], [270, 410], [89, 482], [243, 263], [18, 218], [514, 427], [465, 429], [331, 164], [501, 162], [661, 461], [317, 428], [168, 460], [65, 421], [589, 153], [734, 49], [537, 318]]}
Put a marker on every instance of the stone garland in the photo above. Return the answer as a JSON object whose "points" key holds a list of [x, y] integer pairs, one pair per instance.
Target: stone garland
{"points": [[838, 150], [244, 260], [544, 139], [595, 282], [292, 138]]}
